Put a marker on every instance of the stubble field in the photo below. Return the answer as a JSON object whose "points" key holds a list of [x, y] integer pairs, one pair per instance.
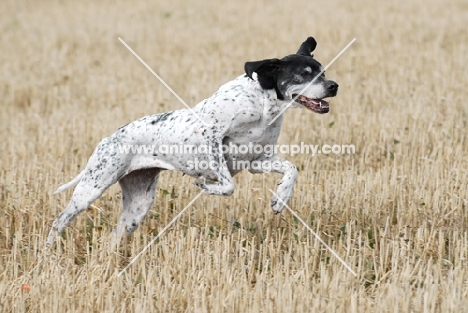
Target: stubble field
{"points": [[395, 210]]}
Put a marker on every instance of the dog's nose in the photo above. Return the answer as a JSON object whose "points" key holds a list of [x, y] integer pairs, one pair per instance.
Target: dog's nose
{"points": [[332, 86]]}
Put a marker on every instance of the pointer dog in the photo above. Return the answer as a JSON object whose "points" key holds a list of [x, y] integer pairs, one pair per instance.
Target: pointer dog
{"points": [[239, 113]]}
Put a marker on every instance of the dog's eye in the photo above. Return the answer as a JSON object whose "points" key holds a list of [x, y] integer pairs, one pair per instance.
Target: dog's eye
{"points": [[306, 71]]}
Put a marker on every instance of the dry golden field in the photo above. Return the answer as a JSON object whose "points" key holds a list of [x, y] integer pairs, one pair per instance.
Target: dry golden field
{"points": [[395, 211]]}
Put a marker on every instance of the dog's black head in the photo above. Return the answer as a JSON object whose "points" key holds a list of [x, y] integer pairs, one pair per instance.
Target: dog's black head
{"points": [[297, 76]]}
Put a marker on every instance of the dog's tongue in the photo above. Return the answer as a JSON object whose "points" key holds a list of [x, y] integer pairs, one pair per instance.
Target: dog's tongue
{"points": [[320, 103], [313, 102]]}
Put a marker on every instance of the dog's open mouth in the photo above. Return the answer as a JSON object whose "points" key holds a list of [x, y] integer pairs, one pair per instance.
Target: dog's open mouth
{"points": [[317, 105]]}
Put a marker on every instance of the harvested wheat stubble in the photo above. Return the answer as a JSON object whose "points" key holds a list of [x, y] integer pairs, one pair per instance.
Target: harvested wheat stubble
{"points": [[395, 210]]}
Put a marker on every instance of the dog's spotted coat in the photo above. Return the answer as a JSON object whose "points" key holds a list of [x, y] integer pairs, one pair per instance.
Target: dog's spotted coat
{"points": [[239, 113]]}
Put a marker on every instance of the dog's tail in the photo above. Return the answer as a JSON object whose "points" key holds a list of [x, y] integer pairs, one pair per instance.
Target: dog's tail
{"points": [[73, 183]]}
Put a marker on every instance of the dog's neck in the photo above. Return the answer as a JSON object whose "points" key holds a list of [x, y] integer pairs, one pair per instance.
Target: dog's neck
{"points": [[267, 87], [274, 101]]}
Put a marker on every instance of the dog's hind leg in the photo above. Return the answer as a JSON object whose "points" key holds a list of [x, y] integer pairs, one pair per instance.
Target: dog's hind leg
{"points": [[88, 189], [138, 189], [104, 168]]}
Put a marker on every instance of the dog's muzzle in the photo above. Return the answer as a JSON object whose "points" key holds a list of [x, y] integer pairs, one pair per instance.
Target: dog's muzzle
{"points": [[318, 105]]}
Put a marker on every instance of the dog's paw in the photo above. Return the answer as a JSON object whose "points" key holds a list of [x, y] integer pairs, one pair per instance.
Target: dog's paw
{"points": [[276, 205], [200, 183], [205, 186], [52, 238], [212, 188]]}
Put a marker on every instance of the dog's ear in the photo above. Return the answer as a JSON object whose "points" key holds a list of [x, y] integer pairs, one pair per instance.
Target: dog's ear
{"points": [[307, 47], [267, 71]]}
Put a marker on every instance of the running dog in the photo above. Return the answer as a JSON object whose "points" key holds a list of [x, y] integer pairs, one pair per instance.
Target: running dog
{"points": [[246, 110]]}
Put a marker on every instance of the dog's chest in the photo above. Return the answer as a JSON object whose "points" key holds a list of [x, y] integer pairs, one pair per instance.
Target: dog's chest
{"points": [[256, 134], [249, 143]]}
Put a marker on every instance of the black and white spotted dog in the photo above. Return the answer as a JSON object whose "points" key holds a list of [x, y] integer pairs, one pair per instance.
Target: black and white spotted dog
{"points": [[239, 113]]}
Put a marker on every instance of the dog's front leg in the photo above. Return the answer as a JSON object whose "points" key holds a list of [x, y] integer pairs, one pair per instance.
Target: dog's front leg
{"points": [[217, 164], [285, 185]]}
